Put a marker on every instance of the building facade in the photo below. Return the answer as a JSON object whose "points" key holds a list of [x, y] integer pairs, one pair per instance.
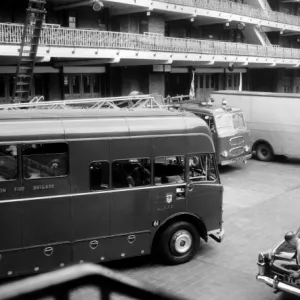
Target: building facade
{"points": [[155, 46]]}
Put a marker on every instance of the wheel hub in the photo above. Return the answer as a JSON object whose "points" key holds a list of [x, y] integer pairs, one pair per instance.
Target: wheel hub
{"points": [[182, 241]]}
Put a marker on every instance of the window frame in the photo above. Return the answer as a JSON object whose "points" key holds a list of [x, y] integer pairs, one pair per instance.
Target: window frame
{"points": [[109, 176], [217, 180], [171, 183], [17, 161], [49, 177], [133, 187]]}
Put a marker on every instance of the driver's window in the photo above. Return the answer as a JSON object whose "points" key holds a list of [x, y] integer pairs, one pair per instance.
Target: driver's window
{"points": [[210, 122], [169, 170], [202, 168]]}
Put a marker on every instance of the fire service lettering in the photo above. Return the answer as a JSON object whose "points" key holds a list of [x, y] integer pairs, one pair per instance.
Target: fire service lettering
{"points": [[43, 187], [3, 190]]}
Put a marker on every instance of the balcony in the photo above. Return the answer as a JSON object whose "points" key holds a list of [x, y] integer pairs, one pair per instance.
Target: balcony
{"points": [[239, 9], [74, 43], [219, 9]]}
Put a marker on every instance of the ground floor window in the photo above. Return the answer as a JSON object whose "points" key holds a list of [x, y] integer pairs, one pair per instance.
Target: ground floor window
{"points": [[78, 86]]}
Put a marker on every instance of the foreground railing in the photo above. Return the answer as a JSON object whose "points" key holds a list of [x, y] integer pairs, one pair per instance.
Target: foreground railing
{"points": [[82, 282], [239, 9], [67, 37]]}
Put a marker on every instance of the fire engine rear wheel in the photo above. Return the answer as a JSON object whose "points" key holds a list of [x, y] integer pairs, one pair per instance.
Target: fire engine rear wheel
{"points": [[178, 243], [264, 152]]}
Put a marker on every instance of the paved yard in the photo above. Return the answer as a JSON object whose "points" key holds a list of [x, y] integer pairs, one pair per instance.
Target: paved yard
{"points": [[261, 203]]}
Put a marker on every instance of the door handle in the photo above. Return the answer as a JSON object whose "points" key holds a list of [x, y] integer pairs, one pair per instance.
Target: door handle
{"points": [[190, 186]]}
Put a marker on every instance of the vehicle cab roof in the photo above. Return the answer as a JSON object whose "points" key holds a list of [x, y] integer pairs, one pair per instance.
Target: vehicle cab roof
{"points": [[198, 107]]}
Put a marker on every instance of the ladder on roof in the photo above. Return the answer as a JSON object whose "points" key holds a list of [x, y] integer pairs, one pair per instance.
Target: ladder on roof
{"points": [[125, 102], [28, 51]]}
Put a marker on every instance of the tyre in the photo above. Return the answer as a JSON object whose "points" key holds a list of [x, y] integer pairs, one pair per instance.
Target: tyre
{"points": [[178, 243], [264, 152]]}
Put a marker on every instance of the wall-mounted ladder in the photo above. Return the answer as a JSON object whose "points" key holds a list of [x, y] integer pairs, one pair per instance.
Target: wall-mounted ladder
{"points": [[28, 51]]}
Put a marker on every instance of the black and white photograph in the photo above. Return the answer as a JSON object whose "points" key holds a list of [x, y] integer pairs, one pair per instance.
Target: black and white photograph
{"points": [[149, 149]]}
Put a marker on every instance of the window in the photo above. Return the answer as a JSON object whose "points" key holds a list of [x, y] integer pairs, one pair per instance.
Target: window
{"points": [[230, 84], [76, 84], [209, 120], [8, 163], [238, 121], [45, 160], [2, 87], [86, 84], [131, 172], [202, 168], [286, 89], [66, 85], [169, 170], [99, 175], [224, 123], [96, 84]]}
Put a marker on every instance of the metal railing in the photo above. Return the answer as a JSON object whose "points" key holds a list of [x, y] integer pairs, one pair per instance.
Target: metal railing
{"points": [[239, 9], [61, 284], [68, 37]]}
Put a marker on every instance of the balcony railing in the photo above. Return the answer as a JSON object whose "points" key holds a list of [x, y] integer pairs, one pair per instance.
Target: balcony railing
{"points": [[67, 37], [239, 9]]}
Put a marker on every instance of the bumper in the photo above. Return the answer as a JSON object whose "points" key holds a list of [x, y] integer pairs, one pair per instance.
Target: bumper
{"points": [[276, 285], [235, 160], [217, 235]]}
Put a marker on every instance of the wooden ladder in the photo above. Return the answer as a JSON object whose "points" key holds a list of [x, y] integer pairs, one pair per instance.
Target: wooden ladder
{"points": [[28, 51]]}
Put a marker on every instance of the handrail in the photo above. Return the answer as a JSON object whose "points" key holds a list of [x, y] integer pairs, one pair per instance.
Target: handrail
{"points": [[239, 9], [59, 285], [69, 37]]}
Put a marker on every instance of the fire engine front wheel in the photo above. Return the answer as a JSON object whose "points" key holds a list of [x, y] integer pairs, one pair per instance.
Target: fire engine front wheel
{"points": [[179, 243]]}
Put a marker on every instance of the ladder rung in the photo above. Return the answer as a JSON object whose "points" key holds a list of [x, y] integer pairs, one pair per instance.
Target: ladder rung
{"points": [[21, 91], [28, 51], [24, 76], [35, 19], [26, 59], [25, 67], [34, 27], [30, 44], [36, 10], [38, 1], [23, 83]]}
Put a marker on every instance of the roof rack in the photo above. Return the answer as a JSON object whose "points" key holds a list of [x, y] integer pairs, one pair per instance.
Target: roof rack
{"points": [[129, 102]]}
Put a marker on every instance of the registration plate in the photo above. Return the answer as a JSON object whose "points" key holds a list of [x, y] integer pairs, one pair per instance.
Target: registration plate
{"points": [[238, 158]]}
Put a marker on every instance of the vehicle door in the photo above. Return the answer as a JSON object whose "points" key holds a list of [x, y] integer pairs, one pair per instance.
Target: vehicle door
{"points": [[204, 190], [130, 205], [168, 195]]}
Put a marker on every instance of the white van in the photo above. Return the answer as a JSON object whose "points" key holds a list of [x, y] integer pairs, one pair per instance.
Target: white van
{"points": [[273, 119]]}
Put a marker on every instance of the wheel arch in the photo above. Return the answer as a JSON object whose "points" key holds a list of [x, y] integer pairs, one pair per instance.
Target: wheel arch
{"points": [[187, 217], [262, 141]]}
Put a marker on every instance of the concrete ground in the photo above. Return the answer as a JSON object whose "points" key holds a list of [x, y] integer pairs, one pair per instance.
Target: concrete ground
{"points": [[261, 203]]}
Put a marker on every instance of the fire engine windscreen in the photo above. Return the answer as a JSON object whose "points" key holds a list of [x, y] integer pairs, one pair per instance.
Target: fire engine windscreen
{"points": [[229, 122]]}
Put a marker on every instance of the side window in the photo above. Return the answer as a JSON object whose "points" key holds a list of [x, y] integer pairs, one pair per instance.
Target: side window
{"points": [[131, 173], [209, 120], [45, 160], [8, 163], [99, 175], [202, 168], [169, 170]]}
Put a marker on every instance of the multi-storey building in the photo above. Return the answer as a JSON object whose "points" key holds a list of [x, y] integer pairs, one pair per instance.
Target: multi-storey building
{"points": [[154, 46]]}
